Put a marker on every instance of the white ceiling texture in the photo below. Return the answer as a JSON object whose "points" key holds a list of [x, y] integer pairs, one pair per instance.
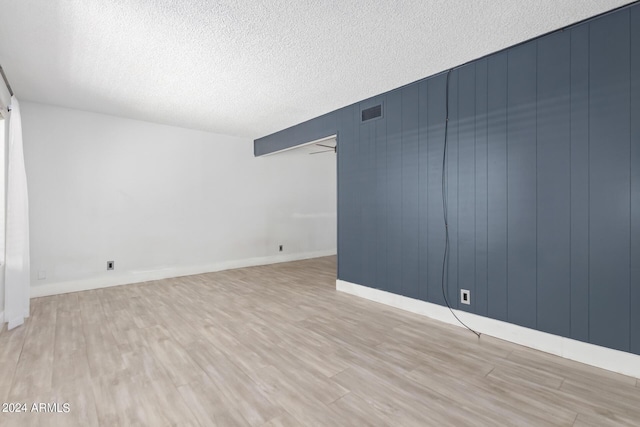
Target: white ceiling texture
{"points": [[250, 68]]}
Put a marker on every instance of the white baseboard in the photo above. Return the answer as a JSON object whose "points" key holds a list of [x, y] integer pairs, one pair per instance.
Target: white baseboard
{"points": [[14, 323], [590, 354], [57, 288]]}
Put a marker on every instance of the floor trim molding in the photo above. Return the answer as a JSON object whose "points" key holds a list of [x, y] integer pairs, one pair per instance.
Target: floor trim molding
{"points": [[14, 323], [590, 354], [127, 278]]}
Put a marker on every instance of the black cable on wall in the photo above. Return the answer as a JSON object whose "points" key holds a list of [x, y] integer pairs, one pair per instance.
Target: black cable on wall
{"points": [[445, 258]]}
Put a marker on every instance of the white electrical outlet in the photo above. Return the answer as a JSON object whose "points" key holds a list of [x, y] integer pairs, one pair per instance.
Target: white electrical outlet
{"points": [[42, 275], [465, 296]]}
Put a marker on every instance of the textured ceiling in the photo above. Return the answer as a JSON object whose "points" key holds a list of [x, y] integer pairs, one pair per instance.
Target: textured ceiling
{"points": [[251, 68]]}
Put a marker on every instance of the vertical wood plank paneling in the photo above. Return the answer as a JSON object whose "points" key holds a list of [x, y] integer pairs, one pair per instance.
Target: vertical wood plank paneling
{"points": [[394, 196], [554, 184], [634, 279], [337, 125], [497, 186], [382, 186], [358, 195], [340, 191], [346, 187], [369, 241], [424, 195], [480, 184], [436, 117], [410, 192], [521, 184], [466, 184], [452, 190], [609, 178], [580, 183]]}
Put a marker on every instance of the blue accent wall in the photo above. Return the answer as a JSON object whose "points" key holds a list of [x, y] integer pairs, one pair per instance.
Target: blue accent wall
{"points": [[543, 184]]}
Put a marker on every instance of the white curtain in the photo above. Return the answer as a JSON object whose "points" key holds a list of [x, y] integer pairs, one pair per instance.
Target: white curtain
{"points": [[17, 276]]}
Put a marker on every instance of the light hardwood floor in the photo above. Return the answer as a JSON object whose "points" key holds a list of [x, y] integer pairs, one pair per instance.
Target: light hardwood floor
{"points": [[278, 346]]}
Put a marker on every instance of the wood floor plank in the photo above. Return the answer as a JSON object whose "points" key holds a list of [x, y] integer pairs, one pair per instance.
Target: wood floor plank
{"points": [[290, 381], [176, 362], [235, 387], [204, 399], [70, 367], [583, 420], [69, 333], [398, 403], [306, 409], [492, 401], [278, 346], [117, 401], [524, 375], [357, 412], [164, 405], [567, 368], [623, 398], [34, 371], [11, 343], [82, 405], [140, 360], [284, 420]]}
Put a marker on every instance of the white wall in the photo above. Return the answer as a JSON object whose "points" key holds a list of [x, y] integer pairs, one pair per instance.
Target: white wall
{"points": [[163, 201]]}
